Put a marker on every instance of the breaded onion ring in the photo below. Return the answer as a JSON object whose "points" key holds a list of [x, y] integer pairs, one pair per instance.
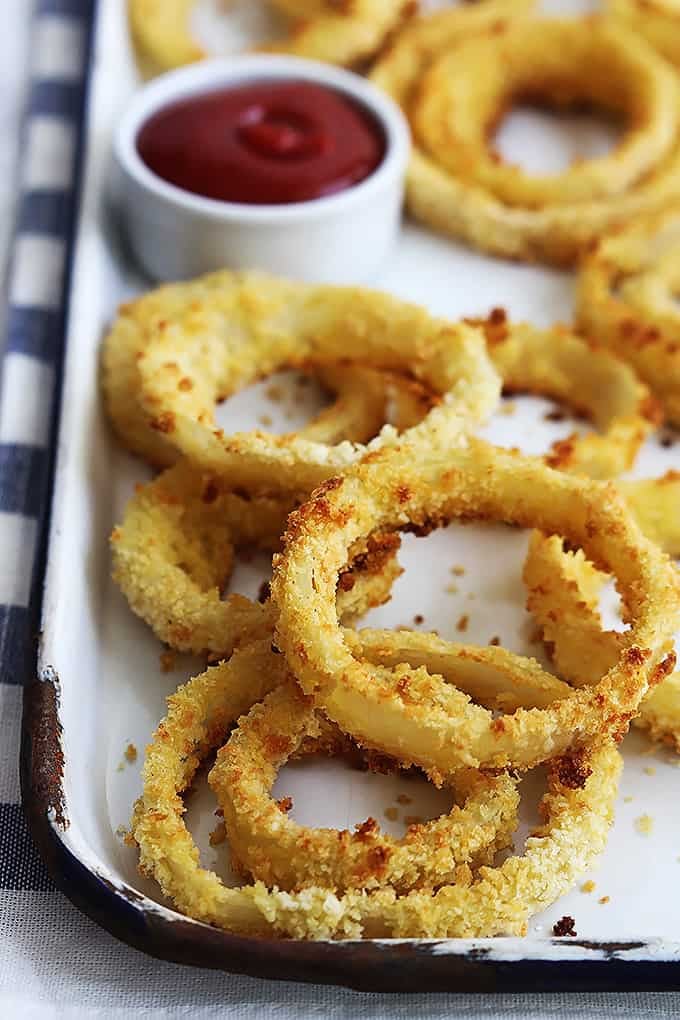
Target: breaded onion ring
{"points": [[339, 34], [576, 822], [200, 715], [357, 413], [456, 186], [173, 552], [227, 330], [410, 714], [280, 852], [626, 299], [658, 21], [560, 598], [499, 902], [592, 382]]}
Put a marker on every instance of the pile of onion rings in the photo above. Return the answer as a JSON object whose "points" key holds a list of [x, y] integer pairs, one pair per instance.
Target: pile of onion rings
{"points": [[394, 452], [457, 183], [345, 34]]}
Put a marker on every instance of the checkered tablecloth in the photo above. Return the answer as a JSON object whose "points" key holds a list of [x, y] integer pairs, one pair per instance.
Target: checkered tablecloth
{"points": [[53, 961]]}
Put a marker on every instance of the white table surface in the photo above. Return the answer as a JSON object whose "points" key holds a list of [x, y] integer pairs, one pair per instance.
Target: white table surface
{"points": [[66, 966]]}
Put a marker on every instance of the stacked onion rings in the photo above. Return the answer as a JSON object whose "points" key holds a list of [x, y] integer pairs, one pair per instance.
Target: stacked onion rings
{"points": [[394, 452], [458, 185], [498, 901]]}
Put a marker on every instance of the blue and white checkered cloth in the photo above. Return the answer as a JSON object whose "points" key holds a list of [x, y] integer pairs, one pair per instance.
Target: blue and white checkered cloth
{"points": [[29, 378], [53, 961], [34, 316]]}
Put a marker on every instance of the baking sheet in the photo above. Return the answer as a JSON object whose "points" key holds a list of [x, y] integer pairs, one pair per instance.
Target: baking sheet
{"points": [[108, 662]]}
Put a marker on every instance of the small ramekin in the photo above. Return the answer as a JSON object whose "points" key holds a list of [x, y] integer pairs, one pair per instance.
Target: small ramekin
{"points": [[343, 238]]}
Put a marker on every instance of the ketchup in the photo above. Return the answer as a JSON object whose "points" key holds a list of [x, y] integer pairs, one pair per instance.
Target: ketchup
{"points": [[270, 143]]}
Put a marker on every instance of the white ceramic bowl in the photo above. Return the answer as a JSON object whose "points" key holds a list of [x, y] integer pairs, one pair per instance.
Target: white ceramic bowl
{"points": [[175, 234]]}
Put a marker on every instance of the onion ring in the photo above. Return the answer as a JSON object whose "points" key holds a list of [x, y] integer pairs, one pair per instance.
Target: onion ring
{"points": [[658, 21], [208, 348], [557, 364], [200, 715], [554, 59], [500, 901], [357, 413], [410, 714], [279, 852], [346, 35], [625, 299], [561, 588], [173, 554]]}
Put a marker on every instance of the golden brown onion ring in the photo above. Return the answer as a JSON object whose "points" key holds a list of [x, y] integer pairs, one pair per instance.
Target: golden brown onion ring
{"points": [[410, 714], [456, 107], [280, 852], [499, 902], [626, 299], [560, 598], [346, 34], [559, 55], [199, 717], [173, 552], [224, 332], [557, 364], [357, 413], [658, 21]]}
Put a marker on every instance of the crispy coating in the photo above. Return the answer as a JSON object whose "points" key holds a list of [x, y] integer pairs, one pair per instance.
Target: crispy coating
{"points": [[562, 597], [458, 186], [339, 33], [625, 298], [411, 711], [173, 552], [280, 852], [221, 332]]}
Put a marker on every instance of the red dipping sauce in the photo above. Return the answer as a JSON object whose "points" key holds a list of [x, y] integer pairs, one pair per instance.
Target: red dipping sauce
{"points": [[270, 143]]}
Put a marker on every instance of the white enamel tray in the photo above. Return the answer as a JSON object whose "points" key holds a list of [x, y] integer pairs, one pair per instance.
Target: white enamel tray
{"points": [[102, 687]]}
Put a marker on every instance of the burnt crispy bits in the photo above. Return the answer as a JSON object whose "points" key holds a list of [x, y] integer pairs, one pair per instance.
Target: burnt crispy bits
{"points": [[565, 926]]}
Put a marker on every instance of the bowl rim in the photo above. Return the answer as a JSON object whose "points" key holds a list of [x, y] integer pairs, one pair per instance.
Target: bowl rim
{"points": [[209, 75]]}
